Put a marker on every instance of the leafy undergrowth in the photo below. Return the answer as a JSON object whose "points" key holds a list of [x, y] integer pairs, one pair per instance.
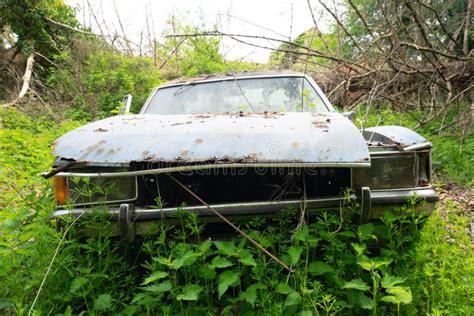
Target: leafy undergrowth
{"points": [[420, 265], [336, 267]]}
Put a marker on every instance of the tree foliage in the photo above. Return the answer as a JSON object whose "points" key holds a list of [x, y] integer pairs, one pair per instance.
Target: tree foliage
{"points": [[30, 23]]}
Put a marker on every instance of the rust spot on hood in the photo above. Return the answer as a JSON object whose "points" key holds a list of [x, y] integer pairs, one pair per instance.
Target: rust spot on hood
{"points": [[181, 123], [100, 130], [321, 122], [202, 116]]}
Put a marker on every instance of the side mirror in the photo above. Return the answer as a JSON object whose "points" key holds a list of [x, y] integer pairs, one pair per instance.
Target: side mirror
{"points": [[350, 115], [127, 103]]}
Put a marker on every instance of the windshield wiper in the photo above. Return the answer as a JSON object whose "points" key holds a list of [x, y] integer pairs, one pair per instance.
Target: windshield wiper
{"points": [[181, 90]]}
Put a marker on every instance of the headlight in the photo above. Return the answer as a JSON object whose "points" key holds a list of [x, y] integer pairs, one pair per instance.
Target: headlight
{"points": [[84, 190], [389, 172], [60, 190]]}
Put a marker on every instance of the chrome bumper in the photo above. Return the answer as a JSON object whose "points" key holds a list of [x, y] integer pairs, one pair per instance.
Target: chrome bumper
{"points": [[373, 203]]}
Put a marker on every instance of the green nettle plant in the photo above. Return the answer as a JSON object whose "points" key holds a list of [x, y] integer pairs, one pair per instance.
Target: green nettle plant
{"points": [[339, 267], [334, 269]]}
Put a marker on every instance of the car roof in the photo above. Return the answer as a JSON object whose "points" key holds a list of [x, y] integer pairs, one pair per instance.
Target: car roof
{"points": [[231, 75]]}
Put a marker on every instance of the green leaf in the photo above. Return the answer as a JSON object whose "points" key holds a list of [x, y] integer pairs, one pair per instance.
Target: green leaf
{"points": [[157, 275], [365, 302], [67, 311], [359, 248], [103, 303], [373, 264], [364, 232], [390, 299], [295, 253], [190, 293], [77, 284], [246, 258], [185, 260], [220, 262], [389, 218], [250, 294], [293, 299], [312, 240], [159, 288], [400, 295], [305, 312], [205, 245], [389, 281], [284, 288], [347, 233], [302, 234], [4, 303], [226, 248], [164, 261], [356, 284], [226, 279], [207, 272], [319, 268]]}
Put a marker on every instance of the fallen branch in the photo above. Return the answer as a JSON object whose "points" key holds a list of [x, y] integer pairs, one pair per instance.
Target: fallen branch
{"points": [[306, 50], [26, 80], [231, 224]]}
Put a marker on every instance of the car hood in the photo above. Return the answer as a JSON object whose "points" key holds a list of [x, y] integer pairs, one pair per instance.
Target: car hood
{"points": [[325, 139]]}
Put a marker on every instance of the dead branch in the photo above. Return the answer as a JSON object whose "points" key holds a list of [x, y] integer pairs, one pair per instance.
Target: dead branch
{"points": [[112, 37], [435, 51], [225, 220], [339, 22], [26, 80], [316, 28], [467, 30], [170, 54], [71, 28], [366, 25], [306, 51], [124, 36], [438, 18]]}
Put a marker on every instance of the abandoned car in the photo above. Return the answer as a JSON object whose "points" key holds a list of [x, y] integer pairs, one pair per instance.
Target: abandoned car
{"points": [[246, 144]]}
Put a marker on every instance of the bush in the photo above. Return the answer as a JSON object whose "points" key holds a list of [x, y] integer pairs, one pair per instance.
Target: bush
{"points": [[110, 76], [98, 86]]}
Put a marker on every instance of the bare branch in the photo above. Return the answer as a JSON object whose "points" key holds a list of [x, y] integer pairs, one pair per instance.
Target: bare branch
{"points": [[127, 42], [351, 3], [338, 21], [438, 18], [310, 52], [435, 51], [26, 81], [467, 29], [316, 28]]}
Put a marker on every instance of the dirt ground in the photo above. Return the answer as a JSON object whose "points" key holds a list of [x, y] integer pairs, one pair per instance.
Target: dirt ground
{"points": [[463, 197]]}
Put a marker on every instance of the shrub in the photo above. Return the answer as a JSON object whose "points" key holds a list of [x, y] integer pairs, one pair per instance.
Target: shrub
{"points": [[110, 76]]}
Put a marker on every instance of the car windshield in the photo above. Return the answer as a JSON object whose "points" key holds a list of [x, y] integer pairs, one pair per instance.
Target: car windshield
{"points": [[272, 94]]}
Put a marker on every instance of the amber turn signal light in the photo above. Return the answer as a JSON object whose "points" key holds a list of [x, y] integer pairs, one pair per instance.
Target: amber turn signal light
{"points": [[60, 190]]}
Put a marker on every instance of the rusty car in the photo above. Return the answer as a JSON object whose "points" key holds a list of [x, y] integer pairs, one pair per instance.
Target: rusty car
{"points": [[248, 144]]}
